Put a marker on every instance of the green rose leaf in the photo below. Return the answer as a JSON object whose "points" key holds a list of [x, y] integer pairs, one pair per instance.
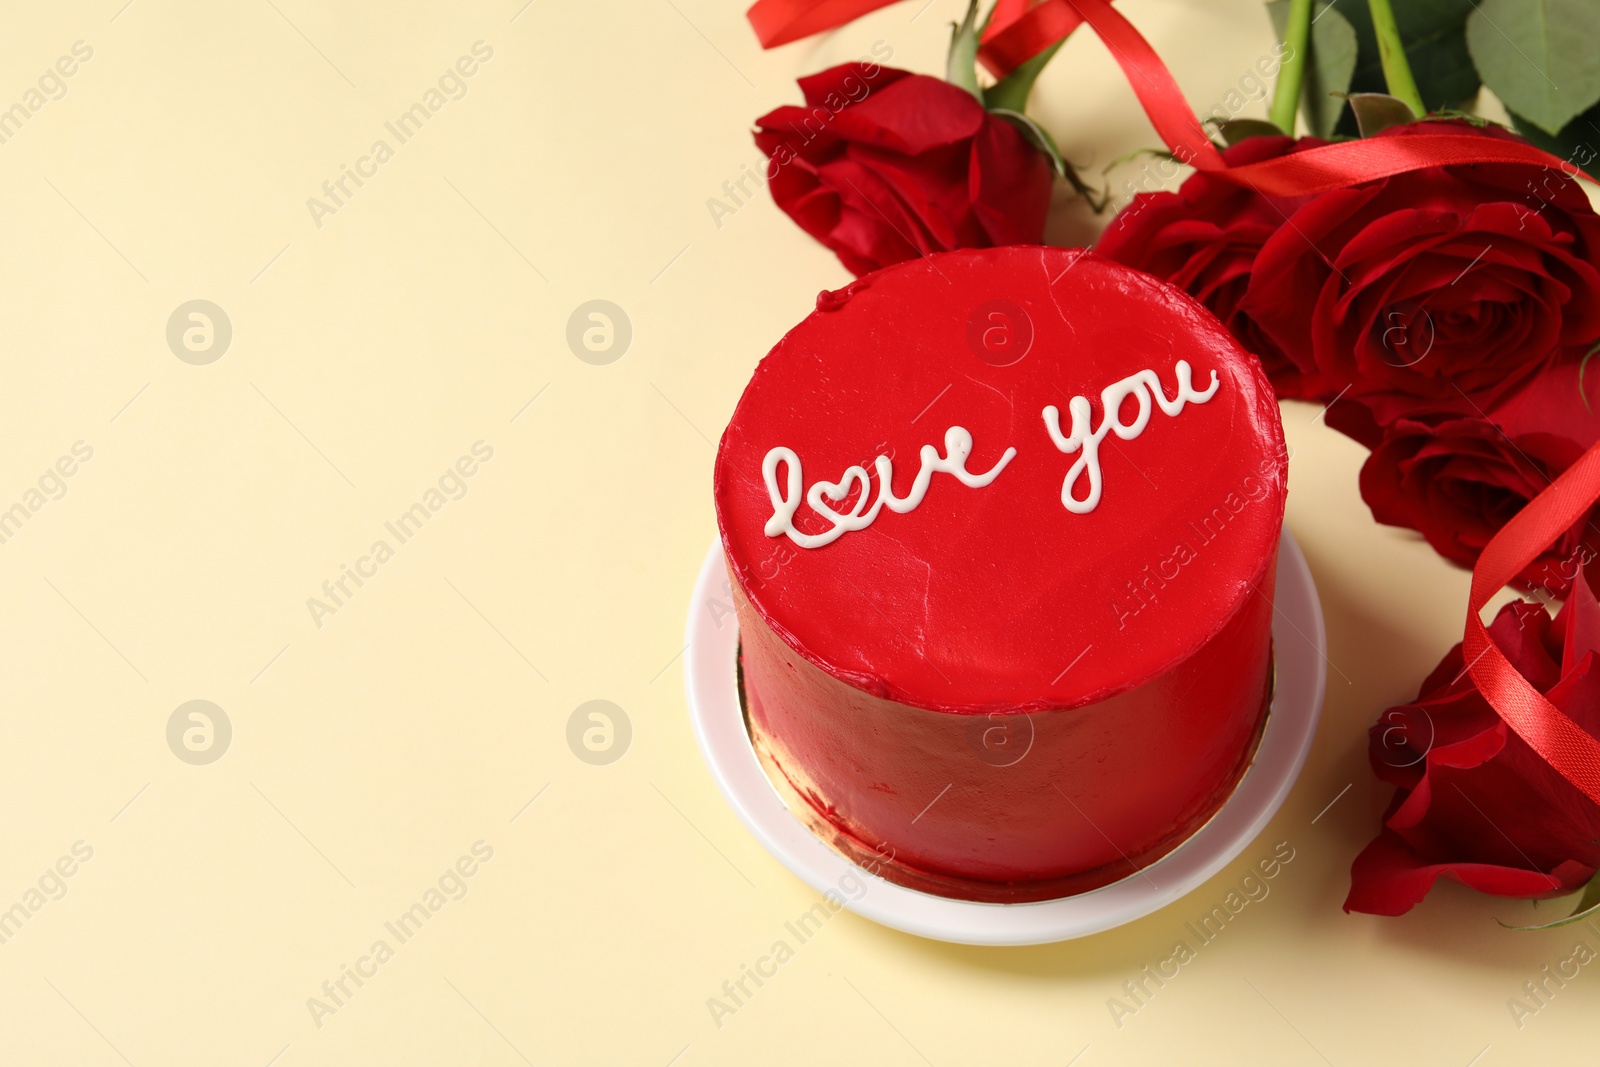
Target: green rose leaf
{"points": [[1235, 130], [1539, 56], [1329, 67], [1578, 142], [1377, 111], [1036, 135], [1434, 32], [1040, 138], [1588, 904], [1011, 92]]}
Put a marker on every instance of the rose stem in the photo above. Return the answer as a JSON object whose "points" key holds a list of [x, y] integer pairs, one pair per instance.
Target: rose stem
{"points": [[1392, 53], [1286, 93]]}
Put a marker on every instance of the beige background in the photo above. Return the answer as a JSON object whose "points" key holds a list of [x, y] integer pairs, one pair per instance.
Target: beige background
{"points": [[370, 753]]}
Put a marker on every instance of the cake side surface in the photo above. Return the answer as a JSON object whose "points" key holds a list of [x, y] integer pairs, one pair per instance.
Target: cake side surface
{"points": [[1010, 807]]}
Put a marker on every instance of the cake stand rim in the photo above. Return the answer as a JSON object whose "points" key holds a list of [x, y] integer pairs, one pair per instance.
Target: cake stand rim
{"points": [[1300, 655]]}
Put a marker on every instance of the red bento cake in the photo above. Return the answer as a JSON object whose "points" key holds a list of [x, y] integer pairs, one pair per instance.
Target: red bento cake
{"points": [[997, 643]]}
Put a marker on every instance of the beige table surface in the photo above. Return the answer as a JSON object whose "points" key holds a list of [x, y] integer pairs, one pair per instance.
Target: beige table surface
{"points": [[369, 753]]}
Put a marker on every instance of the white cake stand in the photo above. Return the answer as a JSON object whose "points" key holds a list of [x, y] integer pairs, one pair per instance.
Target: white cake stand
{"points": [[710, 676]]}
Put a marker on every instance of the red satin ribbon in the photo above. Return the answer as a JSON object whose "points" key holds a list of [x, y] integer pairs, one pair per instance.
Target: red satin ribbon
{"points": [[781, 21], [1021, 29], [1017, 32], [1564, 744], [1009, 42], [1155, 87]]}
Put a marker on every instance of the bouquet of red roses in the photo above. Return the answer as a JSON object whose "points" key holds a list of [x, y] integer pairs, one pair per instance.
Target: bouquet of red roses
{"points": [[1443, 315]]}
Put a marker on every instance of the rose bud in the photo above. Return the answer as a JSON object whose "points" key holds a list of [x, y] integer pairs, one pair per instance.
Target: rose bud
{"points": [[882, 165]]}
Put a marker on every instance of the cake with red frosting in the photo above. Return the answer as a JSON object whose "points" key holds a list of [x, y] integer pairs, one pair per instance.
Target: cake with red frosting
{"points": [[1001, 527]]}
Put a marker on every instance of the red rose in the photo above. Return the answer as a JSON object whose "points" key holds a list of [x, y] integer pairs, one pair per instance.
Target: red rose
{"points": [[1457, 473], [1204, 239], [1438, 283], [882, 165], [1475, 803]]}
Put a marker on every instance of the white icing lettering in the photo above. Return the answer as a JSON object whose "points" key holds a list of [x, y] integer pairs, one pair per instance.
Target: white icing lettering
{"points": [[1142, 387], [787, 497]]}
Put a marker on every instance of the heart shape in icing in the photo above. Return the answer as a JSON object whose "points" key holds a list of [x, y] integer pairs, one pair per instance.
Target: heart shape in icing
{"points": [[841, 490]]}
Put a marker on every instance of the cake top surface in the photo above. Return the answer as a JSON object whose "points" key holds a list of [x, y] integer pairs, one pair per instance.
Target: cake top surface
{"points": [[922, 493]]}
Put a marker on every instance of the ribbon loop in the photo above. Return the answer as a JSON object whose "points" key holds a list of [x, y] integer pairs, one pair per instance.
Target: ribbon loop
{"points": [[1153, 84], [1562, 743]]}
